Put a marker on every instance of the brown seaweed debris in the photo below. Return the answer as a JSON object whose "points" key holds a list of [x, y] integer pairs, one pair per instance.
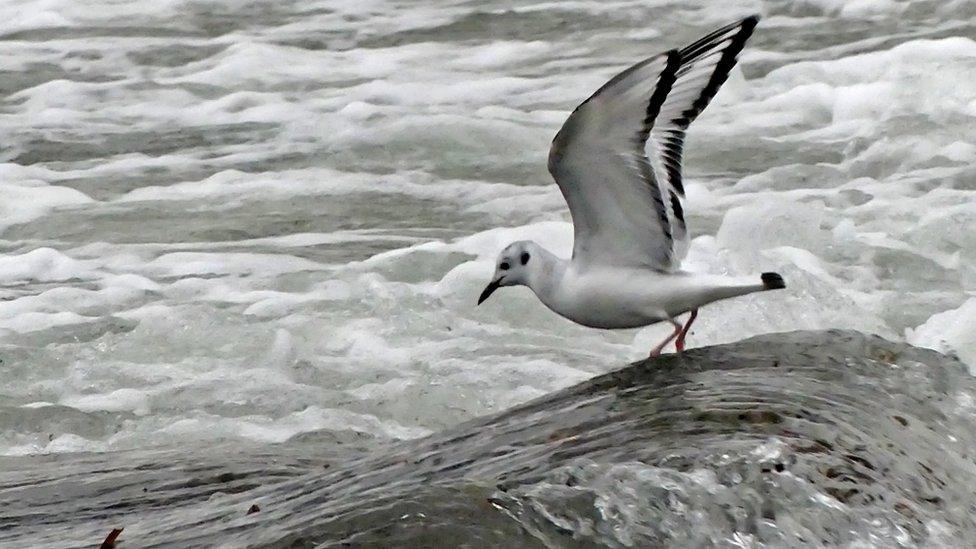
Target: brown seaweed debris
{"points": [[109, 542]]}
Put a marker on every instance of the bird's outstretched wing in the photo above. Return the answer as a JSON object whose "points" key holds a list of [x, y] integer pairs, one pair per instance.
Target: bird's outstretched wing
{"points": [[705, 66], [623, 213]]}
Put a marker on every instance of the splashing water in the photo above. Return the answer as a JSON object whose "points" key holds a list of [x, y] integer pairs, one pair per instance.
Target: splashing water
{"points": [[247, 221]]}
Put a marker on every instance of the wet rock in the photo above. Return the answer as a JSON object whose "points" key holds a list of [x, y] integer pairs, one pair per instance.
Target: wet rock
{"points": [[802, 439]]}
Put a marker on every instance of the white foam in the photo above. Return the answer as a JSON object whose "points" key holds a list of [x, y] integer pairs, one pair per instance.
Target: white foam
{"points": [[275, 431], [67, 301], [950, 331], [120, 400], [32, 199], [227, 185], [180, 264], [41, 264], [163, 256]]}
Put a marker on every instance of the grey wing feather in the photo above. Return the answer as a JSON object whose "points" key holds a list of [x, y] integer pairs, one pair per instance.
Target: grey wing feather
{"points": [[705, 66], [598, 161], [627, 208]]}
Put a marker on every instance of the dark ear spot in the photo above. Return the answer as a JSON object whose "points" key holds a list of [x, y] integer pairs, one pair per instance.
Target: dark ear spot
{"points": [[525, 258]]}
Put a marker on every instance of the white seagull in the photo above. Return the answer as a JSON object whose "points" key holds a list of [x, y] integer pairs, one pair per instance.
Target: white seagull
{"points": [[628, 218]]}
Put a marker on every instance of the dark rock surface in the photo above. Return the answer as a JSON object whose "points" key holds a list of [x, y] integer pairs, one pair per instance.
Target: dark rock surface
{"points": [[807, 439]]}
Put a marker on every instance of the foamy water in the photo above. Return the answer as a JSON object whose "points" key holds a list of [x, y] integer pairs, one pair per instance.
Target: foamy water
{"points": [[251, 220]]}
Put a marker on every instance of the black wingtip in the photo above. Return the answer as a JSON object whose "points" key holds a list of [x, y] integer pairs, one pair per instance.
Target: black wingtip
{"points": [[661, 91], [773, 281], [747, 26]]}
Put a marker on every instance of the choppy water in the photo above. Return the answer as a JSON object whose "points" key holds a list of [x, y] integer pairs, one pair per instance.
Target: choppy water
{"points": [[240, 222], [249, 220]]}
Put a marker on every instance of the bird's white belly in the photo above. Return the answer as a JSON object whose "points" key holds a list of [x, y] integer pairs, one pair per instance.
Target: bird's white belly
{"points": [[611, 315], [619, 300]]}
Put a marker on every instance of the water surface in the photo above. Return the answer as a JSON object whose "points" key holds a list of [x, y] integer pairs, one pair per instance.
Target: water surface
{"points": [[242, 222]]}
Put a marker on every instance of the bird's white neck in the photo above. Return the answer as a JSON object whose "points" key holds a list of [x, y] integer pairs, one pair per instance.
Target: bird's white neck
{"points": [[545, 275]]}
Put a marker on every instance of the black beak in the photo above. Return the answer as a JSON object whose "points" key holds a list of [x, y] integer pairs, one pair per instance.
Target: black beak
{"points": [[495, 284]]}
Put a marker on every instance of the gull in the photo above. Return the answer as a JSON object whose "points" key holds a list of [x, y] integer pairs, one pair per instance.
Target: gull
{"points": [[617, 162]]}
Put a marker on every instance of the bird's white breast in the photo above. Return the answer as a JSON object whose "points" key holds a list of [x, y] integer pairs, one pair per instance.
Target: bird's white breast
{"points": [[613, 298]]}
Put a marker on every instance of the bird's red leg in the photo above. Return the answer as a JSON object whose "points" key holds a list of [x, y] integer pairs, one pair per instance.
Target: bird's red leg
{"points": [[680, 343], [656, 351]]}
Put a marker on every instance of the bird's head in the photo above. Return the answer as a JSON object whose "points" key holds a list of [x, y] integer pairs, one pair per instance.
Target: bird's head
{"points": [[515, 266]]}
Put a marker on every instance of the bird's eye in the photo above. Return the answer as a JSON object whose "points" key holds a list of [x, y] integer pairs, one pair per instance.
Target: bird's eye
{"points": [[504, 266], [525, 258]]}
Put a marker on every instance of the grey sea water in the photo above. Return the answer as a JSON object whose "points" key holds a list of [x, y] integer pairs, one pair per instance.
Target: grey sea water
{"points": [[235, 224]]}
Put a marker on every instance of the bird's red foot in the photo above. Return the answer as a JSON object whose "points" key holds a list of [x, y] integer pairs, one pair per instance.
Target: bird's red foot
{"points": [[656, 351], [679, 344]]}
